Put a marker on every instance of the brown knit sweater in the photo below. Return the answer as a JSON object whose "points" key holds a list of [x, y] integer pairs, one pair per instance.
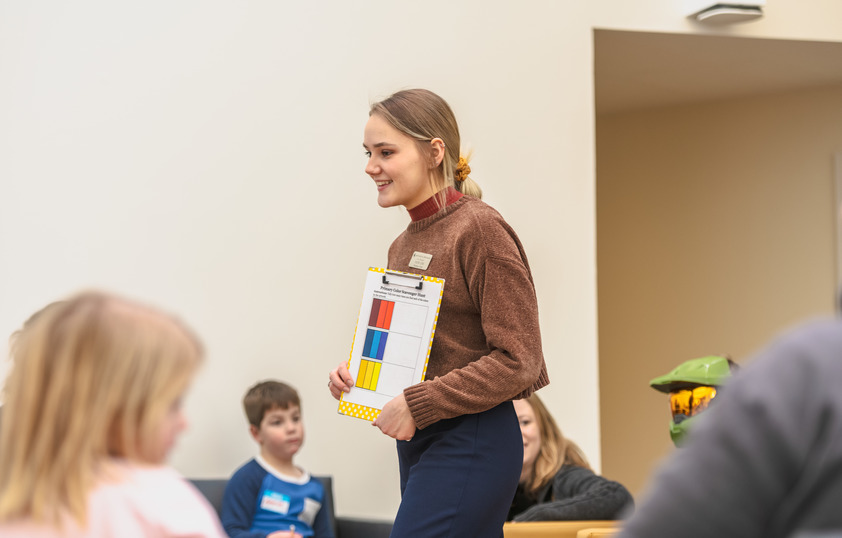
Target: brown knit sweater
{"points": [[487, 346]]}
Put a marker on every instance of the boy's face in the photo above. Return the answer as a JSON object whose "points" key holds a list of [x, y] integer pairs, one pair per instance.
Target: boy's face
{"points": [[281, 433]]}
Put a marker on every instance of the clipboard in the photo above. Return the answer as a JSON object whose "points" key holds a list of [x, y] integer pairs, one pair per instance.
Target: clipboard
{"points": [[391, 345]]}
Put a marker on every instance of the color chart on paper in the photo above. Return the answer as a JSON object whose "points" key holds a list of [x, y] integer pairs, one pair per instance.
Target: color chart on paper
{"points": [[392, 341]]}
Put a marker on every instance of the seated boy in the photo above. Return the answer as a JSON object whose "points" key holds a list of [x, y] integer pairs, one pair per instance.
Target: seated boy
{"points": [[269, 496]]}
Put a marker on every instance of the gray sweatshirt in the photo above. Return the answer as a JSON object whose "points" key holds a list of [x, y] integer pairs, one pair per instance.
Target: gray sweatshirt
{"points": [[766, 459]]}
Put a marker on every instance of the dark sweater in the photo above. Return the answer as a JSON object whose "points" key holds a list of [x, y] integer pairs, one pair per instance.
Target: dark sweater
{"points": [[575, 493], [487, 345]]}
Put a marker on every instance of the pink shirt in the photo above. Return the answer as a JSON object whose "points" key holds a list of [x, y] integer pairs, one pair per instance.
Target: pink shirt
{"points": [[146, 502]]}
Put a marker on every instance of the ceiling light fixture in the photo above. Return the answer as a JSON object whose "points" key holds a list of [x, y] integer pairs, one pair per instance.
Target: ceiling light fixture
{"points": [[725, 13]]}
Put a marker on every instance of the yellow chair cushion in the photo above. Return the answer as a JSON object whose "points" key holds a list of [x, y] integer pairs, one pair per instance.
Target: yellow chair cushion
{"points": [[598, 533], [556, 529]]}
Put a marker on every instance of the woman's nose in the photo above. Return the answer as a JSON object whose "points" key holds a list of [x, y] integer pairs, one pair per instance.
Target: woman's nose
{"points": [[370, 168]]}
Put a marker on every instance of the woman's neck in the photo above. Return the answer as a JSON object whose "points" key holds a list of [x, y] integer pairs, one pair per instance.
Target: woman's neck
{"points": [[432, 205]]}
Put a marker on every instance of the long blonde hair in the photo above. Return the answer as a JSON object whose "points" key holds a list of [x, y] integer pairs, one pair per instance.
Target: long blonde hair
{"points": [[92, 378], [556, 450], [422, 115]]}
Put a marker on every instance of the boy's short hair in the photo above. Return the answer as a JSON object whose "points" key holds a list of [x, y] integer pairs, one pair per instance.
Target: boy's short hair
{"points": [[268, 395]]}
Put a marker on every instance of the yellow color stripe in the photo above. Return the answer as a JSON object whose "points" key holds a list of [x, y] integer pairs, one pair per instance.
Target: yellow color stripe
{"points": [[374, 376], [368, 372], [361, 374]]}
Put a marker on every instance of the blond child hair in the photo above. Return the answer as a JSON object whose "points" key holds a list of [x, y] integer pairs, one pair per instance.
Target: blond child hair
{"points": [[92, 379]]}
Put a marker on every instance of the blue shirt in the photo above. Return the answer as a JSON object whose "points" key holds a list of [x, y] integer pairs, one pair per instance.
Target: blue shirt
{"points": [[259, 500]]}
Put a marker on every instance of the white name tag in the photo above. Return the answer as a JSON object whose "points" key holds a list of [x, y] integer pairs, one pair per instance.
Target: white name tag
{"points": [[420, 260], [311, 509], [275, 502]]}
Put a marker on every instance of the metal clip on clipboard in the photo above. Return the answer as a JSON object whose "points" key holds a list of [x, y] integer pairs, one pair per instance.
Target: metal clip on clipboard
{"points": [[415, 281]]}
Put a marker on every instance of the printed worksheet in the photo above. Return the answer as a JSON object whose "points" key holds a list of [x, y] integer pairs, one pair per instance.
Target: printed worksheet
{"points": [[391, 347]]}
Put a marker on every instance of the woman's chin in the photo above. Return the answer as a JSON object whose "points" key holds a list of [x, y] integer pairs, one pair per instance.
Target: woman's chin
{"points": [[385, 201]]}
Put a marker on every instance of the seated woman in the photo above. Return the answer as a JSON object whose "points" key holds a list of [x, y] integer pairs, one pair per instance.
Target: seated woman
{"points": [[556, 483]]}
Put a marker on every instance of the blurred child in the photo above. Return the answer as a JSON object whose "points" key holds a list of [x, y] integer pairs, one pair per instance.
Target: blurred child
{"points": [[270, 496], [92, 408]]}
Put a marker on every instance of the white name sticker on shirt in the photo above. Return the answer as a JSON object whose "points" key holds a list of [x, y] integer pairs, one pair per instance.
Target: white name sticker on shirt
{"points": [[420, 260], [311, 509], [275, 502]]}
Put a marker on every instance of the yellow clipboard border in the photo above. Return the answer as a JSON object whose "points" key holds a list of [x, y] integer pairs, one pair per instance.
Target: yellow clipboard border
{"points": [[371, 413]]}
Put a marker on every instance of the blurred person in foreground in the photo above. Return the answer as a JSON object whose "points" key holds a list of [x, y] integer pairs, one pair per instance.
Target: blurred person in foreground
{"points": [[766, 460], [92, 410]]}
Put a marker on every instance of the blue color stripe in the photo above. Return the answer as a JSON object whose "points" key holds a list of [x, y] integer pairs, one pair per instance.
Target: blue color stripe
{"points": [[382, 346], [375, 344], [369, 334]]}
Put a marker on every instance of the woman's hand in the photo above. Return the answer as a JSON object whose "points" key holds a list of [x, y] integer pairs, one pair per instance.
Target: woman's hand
{"points": [[395, 420], [340, 380]]}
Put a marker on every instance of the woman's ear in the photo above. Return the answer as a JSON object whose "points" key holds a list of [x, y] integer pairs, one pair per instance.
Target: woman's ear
{"points": [[437, 151]]}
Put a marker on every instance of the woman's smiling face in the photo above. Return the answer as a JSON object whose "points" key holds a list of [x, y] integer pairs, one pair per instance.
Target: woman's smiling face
{"points": [[531, 433], [402, 174]]}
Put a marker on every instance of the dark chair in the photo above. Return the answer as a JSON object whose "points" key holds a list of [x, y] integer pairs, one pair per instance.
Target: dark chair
{"points": [[343, 527]]}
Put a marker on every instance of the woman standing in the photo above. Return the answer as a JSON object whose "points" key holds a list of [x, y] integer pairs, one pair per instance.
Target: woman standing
{"points": [[459, 445]]}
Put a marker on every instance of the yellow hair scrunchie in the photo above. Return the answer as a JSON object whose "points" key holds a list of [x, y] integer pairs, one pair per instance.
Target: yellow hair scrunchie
{"points": [[462, 170]]}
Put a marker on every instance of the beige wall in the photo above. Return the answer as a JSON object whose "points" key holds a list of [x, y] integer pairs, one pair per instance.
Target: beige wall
{"points": [[206, 156], [715, 227]]}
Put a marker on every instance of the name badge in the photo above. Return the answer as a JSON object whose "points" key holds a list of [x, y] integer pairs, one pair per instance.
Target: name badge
{"points": [[420, 260], [275, 502]]}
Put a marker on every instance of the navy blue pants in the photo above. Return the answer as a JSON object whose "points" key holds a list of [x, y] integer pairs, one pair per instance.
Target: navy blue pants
{"points": [[458, 476]]}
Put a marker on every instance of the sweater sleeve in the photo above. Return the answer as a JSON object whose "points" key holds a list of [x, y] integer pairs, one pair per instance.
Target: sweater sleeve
{"points": [[239, 500], [579, 494], [505, 295], [487, 348]]}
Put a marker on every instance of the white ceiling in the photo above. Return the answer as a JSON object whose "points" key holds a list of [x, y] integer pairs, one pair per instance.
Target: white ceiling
{"points": [[635, 70]]}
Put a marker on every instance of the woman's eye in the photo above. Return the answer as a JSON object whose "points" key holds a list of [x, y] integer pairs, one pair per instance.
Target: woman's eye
{"points": [[385, 153], [368, 154]]}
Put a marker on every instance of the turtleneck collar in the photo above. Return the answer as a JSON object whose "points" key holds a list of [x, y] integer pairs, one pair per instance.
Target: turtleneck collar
{"points": [[430, 206]]}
